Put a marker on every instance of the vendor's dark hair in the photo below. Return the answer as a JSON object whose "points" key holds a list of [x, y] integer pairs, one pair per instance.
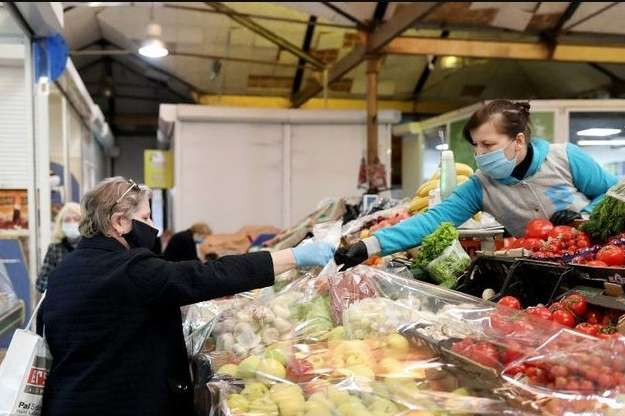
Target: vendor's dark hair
{"points": [[515, 119]]}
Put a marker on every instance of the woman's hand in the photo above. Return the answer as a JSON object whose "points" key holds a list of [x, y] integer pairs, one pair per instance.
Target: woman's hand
{"points": [[352, 255], [313, 254]]}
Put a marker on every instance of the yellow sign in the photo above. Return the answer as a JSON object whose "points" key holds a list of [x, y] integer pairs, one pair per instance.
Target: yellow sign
{"points": [[158, 169]]}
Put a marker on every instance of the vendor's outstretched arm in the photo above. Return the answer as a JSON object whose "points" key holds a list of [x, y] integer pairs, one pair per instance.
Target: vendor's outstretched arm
{"points": [[588, 176], [465, 202]]}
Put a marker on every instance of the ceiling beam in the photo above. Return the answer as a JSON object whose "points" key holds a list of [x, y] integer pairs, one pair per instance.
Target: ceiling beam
{"points": [[550, 37], [505, 50], [299, 74], [359, 24], [256, 16], [267, 34], [379, 12], [405, 17], [211, 57]]}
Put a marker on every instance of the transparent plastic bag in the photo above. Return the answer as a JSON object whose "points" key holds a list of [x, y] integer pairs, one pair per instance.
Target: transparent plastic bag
{"points": [[447, 267], [198, 324], [352, 229], [8, 297], [381, 377], [574, 374]]}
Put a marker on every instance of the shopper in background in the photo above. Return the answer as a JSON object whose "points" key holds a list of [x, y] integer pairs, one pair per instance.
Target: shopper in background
{"points": [[65, 237], [112, 317], [519, 179], [184, 245]]}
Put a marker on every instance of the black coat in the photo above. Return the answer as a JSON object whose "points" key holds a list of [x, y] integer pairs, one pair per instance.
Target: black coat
{"points": [[181, 247], [112, 321]]}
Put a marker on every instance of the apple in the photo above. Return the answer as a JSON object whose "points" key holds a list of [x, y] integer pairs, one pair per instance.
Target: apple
{"points": [[228, 369], [398, 343], [299, 371], [247, 367]]}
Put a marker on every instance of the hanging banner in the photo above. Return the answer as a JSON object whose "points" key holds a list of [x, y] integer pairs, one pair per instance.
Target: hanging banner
{"points": [[158, 169]]}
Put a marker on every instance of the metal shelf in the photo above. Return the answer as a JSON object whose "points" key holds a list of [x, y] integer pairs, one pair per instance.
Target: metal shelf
{"points": [[12, 318]]}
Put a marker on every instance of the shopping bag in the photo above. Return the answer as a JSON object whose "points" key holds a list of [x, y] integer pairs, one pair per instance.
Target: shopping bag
{"points": [[23, 372]]}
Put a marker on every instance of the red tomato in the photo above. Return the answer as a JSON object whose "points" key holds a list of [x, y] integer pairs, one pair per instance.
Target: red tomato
{"points": [[538, 228], [576, 303], [564, 317], [539, 312], [582, 242], [596, 263], [532, 244], [501, 324], [555, 306], [612, 255], [562, 232], [588, 329], [593, 317], [510, 302], [485, 354], [510, 354]]}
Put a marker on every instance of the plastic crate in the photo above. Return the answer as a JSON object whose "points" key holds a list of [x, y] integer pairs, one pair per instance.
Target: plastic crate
{"points": [[531, 281]]}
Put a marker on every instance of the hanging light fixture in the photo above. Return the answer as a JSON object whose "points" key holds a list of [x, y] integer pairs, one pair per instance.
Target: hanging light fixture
{"points": [[153, 46]]}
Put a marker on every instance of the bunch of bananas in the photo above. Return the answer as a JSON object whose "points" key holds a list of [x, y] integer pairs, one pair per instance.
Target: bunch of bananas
{"points": [[420, 201]]}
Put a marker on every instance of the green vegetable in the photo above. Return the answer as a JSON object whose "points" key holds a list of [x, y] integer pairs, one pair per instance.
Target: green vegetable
{"points": [[446, 269], [316, 315], [608, 217], [434, 244]]}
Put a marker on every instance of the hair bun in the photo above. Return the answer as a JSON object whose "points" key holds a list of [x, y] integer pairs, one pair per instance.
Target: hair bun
{"points": [[524, 107]]}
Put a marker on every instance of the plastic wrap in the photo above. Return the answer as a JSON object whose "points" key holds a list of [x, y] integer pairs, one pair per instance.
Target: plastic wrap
{"points": [[370, 223], [377, 377], [198, 324], [7, 294], [573, 374], [446, 268]]}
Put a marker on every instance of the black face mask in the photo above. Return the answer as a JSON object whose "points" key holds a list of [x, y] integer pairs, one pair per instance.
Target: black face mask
{"points": [[141, 235]]}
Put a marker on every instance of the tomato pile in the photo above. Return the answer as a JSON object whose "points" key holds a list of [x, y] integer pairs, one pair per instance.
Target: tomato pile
{"points": [[547, 241], [593, 370], [608, 256], [486, 353], [573, 311]]}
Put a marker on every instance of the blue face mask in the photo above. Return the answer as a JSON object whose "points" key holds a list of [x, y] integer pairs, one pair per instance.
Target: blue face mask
{"points": [[495, 164]]}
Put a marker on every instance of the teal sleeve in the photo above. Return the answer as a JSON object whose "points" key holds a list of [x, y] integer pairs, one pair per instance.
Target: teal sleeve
{"points": [[588, 176], [457, 209]]}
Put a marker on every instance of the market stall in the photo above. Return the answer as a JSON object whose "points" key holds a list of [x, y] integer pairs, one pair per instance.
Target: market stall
{"points": [[432, 331]]}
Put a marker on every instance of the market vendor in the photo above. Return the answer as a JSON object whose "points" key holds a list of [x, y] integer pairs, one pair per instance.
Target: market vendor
{"points": [[518, 179], [112, 321]]}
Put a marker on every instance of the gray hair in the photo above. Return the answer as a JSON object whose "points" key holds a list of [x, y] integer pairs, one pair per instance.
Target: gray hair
{"points": [[99, 204]]}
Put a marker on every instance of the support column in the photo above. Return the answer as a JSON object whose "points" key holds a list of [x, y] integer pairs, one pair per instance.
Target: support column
{"points": [[372, 109]]}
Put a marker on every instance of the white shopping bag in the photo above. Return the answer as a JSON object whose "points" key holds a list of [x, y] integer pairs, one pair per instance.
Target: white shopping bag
{"points": [[23, 372]]}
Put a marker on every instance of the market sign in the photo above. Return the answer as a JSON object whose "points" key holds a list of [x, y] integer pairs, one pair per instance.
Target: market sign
{"points": [[158, 169]]}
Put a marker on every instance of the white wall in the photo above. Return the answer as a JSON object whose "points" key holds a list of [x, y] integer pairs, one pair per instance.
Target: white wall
{"points": [[235, 167]]}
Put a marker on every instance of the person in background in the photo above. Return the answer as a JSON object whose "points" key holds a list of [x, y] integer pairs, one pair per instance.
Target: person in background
{"points": [[519, 178], [112, 317], [184, 244], [65, 237]]}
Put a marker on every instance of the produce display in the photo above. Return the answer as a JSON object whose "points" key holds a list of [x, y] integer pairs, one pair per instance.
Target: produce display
{"points": [[366, 342], [608, 217], [365, 226], [420, 202], [360, 365]]}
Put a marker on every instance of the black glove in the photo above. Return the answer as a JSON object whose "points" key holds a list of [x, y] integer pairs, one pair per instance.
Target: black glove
{"points": [[564, 217], [351, 256]]}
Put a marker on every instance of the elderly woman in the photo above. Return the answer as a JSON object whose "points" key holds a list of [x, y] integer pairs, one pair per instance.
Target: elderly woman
{"points": [[112, 321], [64, 240]]}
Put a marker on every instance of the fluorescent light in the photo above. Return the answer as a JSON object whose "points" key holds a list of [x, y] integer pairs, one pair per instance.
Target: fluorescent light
{"points": [[442, 146], [598, 132], [616, 142], [154, 48]]}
